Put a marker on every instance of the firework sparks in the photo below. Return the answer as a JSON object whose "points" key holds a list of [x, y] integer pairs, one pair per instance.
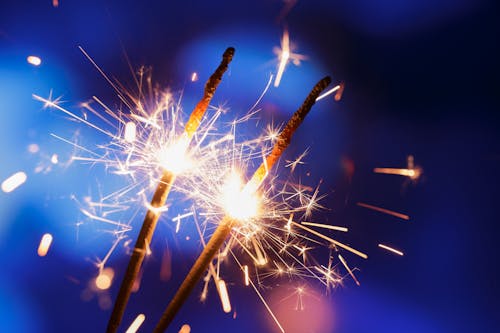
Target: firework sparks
{"points": [[246, 196], [413, 172]]}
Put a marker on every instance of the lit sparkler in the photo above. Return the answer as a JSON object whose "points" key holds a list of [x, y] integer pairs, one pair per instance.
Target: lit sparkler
{"points": [[173, 156], [247, 204]]}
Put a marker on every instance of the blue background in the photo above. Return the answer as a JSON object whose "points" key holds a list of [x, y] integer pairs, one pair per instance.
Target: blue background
{"points": [[421, 78]]}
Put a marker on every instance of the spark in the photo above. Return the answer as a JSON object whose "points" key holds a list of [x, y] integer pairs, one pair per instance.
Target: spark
{"points": [[34, 60], [342, 260], [194, 77], [136, 324], [44, 246], [247, 278], [383, 210], [224, 296], [411, 171], [299, 160], [337, 243], [14, 181], [130, 132], [393, 250], [329, 92], [285, 55], [326, 226]]}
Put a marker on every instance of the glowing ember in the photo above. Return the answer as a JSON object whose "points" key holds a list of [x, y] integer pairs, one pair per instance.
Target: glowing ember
{"points": [[43, 247], [14, 181], [136, 324]]}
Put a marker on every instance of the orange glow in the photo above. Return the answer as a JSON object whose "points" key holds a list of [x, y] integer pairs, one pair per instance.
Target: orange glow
{"points": [[385, 211], [43, 247], [185, 329]]}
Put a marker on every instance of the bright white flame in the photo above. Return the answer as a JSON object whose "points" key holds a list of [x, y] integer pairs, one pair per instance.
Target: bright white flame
{"points": [[174, 158], [130, 132], [136, 324], [44, 246], [239, 202], [14, 181], [34, 60]]}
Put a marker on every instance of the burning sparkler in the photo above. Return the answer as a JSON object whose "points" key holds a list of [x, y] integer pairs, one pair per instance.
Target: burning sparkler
{"points": [[172, 166], [246, 211]]}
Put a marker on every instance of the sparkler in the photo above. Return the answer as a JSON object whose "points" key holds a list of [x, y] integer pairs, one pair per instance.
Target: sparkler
{"points": [[226, 224], [161, 193]]}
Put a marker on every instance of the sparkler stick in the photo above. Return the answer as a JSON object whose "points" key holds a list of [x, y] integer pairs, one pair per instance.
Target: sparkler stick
{"points": [[223, 230], [160, 197]]}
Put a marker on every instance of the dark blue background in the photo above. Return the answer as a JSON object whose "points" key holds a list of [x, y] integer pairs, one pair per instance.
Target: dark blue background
{"points": [[421, 78]]}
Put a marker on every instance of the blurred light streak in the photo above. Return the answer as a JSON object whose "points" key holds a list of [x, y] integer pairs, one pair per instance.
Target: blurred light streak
{"points": [[326, 226], [247, 278], [284, 56], [327, 93], [43, 247], [14, 181], [348, 269], [393, 250], [194, 77], [224, 296], [136, 324], [34, 60], [130, 132], [105, 278], [333, 241], [383, 210]]}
